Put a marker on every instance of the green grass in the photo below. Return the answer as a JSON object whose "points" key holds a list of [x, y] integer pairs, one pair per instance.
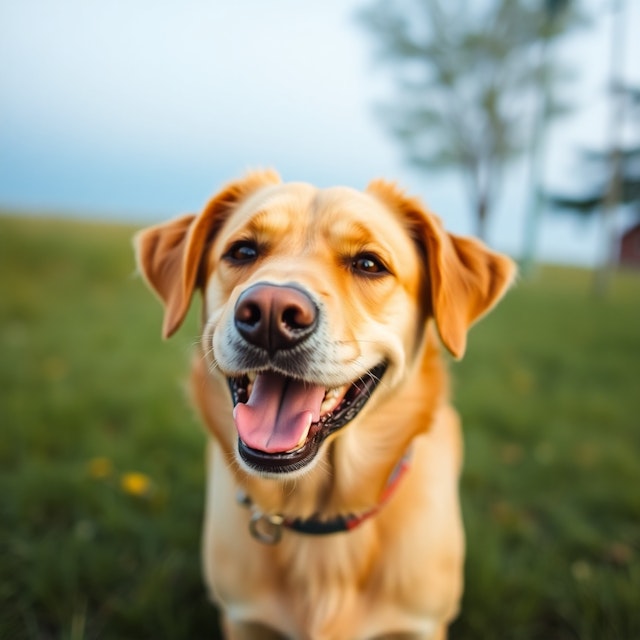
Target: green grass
{"points": [[549, 392]]}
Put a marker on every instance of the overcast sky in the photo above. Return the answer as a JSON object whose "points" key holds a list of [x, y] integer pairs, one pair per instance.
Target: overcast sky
{"points": [[141, 109]]}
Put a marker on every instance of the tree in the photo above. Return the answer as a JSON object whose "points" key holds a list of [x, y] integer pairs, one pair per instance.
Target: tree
{"points": [[615, 173], [613, 180], [596, 165], [555, 17], [466, 77]]}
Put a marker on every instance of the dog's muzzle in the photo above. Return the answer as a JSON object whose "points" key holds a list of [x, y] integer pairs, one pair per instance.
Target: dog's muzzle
{"points": [[281, 414]]}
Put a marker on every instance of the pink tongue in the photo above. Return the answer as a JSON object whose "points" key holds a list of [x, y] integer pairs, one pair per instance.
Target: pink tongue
{"points": [[278, 413]]}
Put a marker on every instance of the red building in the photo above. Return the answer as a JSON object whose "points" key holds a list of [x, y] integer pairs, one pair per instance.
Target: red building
{"points": [[630, 247]]}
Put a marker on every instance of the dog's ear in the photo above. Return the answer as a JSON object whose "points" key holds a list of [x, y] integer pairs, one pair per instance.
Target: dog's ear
{"points": [[169, 255], [466, 279], [160, 251]]}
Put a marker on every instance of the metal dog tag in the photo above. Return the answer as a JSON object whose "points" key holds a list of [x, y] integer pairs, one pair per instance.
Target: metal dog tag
{"points": [[266, 528]]}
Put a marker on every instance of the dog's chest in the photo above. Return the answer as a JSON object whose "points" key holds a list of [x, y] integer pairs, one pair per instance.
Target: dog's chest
{"points": [[318, 587]]}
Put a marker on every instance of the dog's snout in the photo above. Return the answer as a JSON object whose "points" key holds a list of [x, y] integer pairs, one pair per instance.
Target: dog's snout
{"points": [[275, 317]]}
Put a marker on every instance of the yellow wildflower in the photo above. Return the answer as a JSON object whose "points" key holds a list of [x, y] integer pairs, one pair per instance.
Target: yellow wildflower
{"points": [[135, 483]]}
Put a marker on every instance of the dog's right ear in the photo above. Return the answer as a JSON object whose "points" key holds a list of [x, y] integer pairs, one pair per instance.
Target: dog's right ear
{"points": [[159, 254], [169, 255]]}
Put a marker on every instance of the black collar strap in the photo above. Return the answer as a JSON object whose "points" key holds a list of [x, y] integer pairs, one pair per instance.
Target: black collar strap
{"points": [[267, 528]]}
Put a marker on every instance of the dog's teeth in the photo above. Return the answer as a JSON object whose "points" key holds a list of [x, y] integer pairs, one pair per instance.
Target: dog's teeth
{"points": [[331, 399]]}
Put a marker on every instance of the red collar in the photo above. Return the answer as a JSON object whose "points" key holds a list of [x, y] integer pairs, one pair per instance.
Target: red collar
{"points": [[267, 528]]}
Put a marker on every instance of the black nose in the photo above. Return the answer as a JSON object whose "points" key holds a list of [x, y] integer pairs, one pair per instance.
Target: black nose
{"points": [[275, 317]]}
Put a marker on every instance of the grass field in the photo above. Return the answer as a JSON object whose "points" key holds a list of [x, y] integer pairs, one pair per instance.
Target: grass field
{"points": [[101, 458]]}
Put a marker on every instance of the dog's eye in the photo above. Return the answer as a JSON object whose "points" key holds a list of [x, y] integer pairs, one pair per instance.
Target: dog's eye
{"points": [[242, 252], [368, 264]]}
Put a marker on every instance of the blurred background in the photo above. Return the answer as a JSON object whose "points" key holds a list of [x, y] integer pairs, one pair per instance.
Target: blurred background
{"points": [[142, 110], [515, 120]]}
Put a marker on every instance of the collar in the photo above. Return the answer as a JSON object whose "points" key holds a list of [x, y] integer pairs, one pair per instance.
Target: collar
{"points": [[267, 528]]}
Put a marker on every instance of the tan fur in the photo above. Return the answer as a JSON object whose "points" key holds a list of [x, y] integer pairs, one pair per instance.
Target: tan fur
{"points": [[400, 572]]}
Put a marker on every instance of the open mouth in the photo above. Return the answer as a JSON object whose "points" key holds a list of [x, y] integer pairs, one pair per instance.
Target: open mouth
{"points": [[282, 421]]}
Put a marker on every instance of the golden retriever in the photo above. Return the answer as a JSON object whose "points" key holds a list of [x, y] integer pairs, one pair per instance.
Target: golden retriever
{"points": [[332, 505]]}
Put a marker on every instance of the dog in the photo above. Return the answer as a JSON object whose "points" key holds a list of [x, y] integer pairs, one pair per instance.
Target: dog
{"points": [[333, 456]]}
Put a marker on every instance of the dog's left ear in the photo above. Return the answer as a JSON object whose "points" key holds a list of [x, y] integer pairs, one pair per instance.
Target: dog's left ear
{"points": [[465, 277], [169, 255]]}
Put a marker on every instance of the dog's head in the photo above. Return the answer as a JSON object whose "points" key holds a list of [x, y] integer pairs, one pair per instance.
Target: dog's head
{"points": [[312, 297]]}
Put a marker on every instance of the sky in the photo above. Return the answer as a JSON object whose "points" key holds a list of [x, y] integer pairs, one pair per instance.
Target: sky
{"points": [[140, 111]]}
